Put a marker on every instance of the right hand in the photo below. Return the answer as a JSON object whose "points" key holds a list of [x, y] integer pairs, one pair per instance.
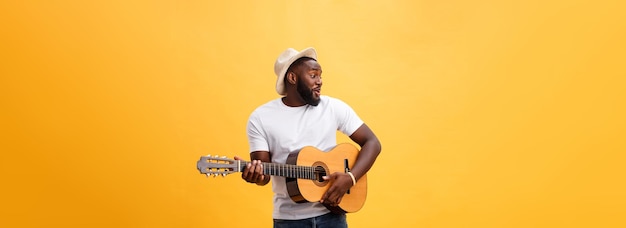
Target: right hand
{"points": [[253, 173]]}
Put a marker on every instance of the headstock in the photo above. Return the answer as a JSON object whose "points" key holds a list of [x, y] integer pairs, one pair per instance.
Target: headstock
{"points": [[216, 165]]}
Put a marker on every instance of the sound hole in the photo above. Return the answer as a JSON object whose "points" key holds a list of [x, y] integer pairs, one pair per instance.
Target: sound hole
{"points": [[320, 172]]}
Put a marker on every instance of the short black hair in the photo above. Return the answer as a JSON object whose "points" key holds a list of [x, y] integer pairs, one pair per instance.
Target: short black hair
{"points": [[295, 64]]}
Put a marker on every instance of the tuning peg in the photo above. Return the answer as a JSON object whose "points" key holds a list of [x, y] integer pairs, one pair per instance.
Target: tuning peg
{"points": [[223, 174], [207, 175], [215, 175], [223, 156]]}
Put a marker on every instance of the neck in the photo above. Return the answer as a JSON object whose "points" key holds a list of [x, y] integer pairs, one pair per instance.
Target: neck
{"points": [[292, 100]]}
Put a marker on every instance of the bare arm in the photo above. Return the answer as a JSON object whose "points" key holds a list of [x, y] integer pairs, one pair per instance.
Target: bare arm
{"points": [[370, 149]]}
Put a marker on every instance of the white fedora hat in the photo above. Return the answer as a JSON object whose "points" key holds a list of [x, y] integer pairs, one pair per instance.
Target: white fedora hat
{"points": [[285, 60]]}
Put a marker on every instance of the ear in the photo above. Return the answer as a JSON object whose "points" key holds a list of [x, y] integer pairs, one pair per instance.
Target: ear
{"points": [[292, 78]]}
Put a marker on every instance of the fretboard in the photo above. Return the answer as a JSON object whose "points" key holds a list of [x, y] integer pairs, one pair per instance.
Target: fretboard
{"points": [[286, 170]]}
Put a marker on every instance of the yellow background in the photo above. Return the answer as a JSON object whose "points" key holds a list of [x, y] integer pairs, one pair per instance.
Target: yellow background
{"points": [[491, 113]]}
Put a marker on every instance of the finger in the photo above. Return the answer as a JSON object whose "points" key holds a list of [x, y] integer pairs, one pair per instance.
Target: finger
{"points": [[253, 171], [256, 170], [332, 176], [332, 198], [259, 171], [246, 172], [331, 195], [339, 199], [237, 157], [336, 192], [324, 198]]}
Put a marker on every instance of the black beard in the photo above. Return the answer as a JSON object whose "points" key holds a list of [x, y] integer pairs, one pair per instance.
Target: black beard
{"points": [[307, 94]]}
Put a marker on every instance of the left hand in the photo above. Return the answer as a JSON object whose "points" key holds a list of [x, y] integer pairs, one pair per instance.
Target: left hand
{"points": [[340, 183]]}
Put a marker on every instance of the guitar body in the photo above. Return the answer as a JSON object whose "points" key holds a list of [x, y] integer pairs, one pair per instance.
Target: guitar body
{"points": [[305, 190]]}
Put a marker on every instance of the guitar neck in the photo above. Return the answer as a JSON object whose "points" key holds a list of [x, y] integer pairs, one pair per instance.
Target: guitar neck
{"points": [[287, 170]]}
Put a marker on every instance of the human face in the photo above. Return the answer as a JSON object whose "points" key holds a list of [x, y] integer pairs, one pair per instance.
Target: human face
{"points": [[309, 83]]}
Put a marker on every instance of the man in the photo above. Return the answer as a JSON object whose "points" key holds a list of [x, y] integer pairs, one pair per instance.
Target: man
{"points": [[303, 117]]}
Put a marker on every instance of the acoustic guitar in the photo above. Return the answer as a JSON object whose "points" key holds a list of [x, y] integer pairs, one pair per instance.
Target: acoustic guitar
{"points": [[303, 173]]}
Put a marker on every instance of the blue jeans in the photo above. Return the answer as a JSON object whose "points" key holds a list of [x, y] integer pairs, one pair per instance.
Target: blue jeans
{"points": [[330, 220]]}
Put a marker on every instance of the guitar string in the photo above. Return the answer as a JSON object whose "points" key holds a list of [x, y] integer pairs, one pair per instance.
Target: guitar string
{"points": [[289, 170]]}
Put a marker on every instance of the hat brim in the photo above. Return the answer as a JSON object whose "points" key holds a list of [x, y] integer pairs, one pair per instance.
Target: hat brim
{"points": [[280, 79]]}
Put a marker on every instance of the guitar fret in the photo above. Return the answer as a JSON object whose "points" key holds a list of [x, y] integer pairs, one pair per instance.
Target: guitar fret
{"points": [[266, 168], [285, 170]]}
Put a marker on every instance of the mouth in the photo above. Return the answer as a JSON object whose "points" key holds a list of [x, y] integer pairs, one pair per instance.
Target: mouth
{"points": [[317, 91]]}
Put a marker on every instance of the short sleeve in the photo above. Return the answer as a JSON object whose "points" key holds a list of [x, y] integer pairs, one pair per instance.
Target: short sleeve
{"points": [[347, 119], [256, 136]]}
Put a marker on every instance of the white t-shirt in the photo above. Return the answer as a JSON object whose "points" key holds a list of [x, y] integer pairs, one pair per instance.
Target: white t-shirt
{"points": [[280, 129]]}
